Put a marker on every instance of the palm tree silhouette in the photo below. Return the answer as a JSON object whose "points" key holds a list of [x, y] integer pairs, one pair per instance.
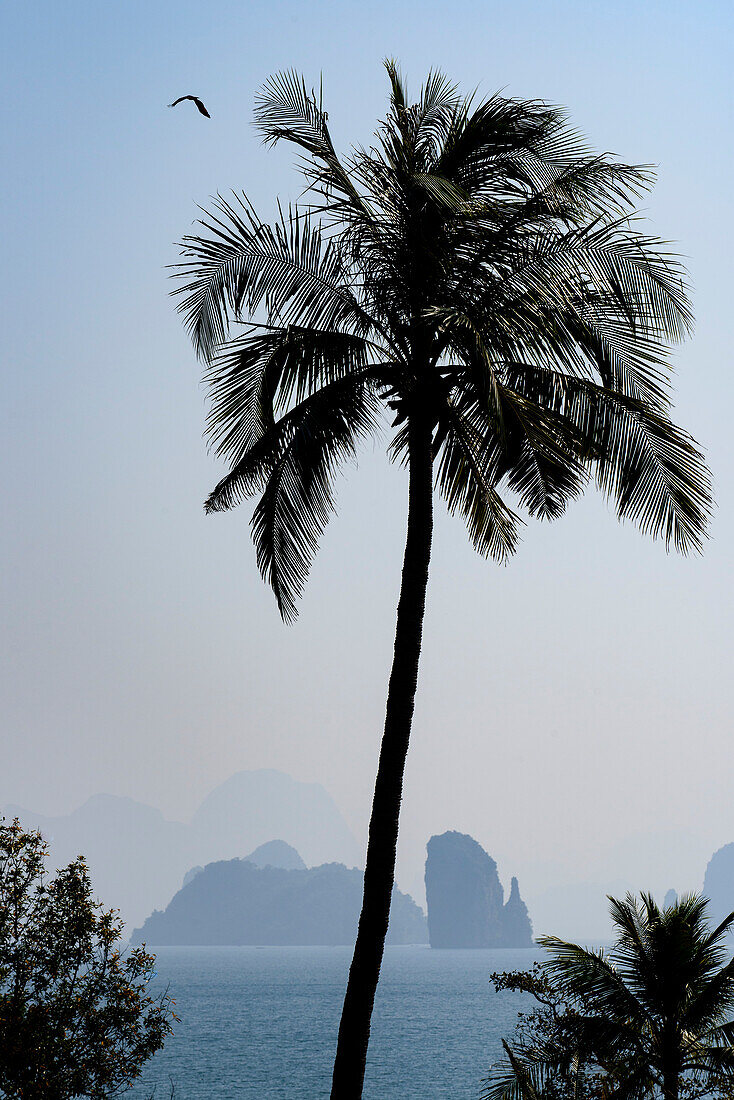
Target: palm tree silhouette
{"points": [[649, 1017], [478, 274]]}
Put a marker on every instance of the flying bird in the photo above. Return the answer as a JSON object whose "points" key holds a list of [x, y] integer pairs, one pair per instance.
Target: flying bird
{"points": [[196, 100]]}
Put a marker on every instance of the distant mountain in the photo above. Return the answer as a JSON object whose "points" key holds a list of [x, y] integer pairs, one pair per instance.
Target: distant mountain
{"points": [[276, 853], [137, 859], [234, 902], [253, 807], [466, 906], [718, 884]]}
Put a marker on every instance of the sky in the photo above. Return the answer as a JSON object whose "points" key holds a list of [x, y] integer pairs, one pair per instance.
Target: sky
{"points": [[575, 707]]}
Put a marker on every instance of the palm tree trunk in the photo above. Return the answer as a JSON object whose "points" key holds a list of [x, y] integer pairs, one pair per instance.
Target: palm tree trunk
{"points": [[669, 1045], [671, 1085], [671, 1063], [379, 874]]}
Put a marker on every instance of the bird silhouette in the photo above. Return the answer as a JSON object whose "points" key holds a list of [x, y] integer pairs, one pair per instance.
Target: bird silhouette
{"points": [[196, 100]]}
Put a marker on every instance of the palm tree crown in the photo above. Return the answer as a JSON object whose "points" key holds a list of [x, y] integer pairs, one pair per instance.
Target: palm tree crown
{"points": [[650, 1017], [477, 266]]}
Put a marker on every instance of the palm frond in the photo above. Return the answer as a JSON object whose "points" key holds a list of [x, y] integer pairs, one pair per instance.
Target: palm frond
{"points": [[293, 465], [605, 267], [541, 458], [398, 90], [718, 1063], [257, 376], [495, 128], [536, 449], [653, 471], [716, 935], [443, 191], [241, 263], [657, 476], [600, 301], [722, 1035], [439, 102], [463, 476], [516, 1079], [285, 109], [710, 1003], [590, 976]]}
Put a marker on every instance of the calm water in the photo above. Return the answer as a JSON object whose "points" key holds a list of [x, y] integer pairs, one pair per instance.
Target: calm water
{"points": [[262, 1022]]}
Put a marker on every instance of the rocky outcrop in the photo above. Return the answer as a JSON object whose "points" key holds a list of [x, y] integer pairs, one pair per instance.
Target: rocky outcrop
{"points": [[718, 884], [671, 898], [276, 853], [463, 893], [233, 902], [517, 929], [466, 900]]}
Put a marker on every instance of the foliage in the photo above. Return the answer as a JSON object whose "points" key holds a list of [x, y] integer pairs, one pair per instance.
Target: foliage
{"points": [[477, 266], [650, 1017], [76, 1019]]}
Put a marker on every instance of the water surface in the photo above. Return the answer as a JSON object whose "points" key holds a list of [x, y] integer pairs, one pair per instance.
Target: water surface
{"points": [[262, 1022]]}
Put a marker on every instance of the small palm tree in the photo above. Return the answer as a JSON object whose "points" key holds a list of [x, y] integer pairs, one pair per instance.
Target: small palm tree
{"points": [[477, 275], [652, 1017]]}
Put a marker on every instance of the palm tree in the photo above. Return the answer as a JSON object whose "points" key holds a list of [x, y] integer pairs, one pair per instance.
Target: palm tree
{"points": [[476, 273], [650, 1018]]}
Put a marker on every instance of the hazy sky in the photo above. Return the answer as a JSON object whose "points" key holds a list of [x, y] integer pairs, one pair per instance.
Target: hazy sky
{"points": [[569, 701]]}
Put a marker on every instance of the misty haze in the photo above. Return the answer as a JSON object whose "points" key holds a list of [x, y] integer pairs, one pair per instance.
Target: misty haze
{"points": [[367, 602]]}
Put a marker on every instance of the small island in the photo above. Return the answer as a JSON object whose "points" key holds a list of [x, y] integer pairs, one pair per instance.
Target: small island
{"points": [[235, 902], [466, 906]]}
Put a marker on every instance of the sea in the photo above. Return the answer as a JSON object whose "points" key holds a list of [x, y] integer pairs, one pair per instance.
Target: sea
{"points": [[261, 1022]]}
